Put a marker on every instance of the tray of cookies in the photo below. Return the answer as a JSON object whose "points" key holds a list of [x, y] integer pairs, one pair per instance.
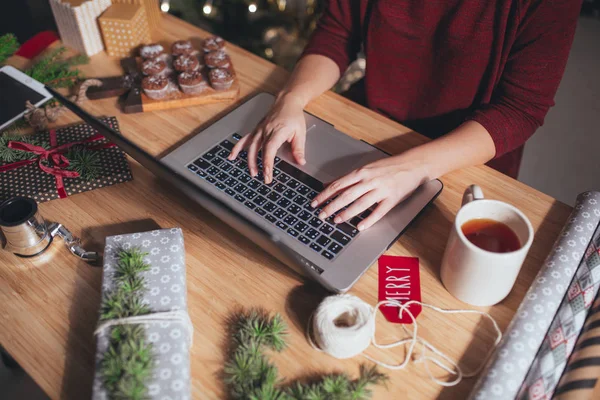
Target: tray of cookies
{"points": [[181, 75]]}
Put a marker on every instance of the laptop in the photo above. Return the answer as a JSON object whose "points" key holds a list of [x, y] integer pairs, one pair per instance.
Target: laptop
{"points": [[278, 217]]}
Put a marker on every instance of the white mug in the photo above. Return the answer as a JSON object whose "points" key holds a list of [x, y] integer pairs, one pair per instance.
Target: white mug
{"points": [[472, 274]]}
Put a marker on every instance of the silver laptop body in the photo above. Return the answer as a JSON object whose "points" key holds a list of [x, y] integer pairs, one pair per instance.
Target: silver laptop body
{"points": [[335, 258]]}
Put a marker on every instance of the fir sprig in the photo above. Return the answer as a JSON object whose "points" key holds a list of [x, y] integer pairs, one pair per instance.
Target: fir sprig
{"points": [[128, 363], [8, 155], [55, 71], [85, 162], [8, 46], [249, 375]]}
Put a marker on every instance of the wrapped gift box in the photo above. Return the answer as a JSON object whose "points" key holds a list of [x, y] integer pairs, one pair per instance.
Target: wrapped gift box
{"points": [[27, 178], [164, 292], [124, 28], [152, 9], [77, 25]]}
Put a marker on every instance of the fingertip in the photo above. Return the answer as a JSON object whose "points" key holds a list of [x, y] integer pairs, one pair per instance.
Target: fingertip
{"points": [[314, 203], [361, 227], [300, 158]]}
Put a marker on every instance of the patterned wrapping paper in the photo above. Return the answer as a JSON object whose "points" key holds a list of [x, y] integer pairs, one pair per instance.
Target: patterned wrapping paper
{"points": [[124, 28], [507, 369], [31, 181], [152, 11], [166, 285], [551, 359], [581, 379]]}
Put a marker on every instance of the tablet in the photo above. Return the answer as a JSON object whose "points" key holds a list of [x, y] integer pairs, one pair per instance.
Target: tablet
{"points": [[16, 88]]}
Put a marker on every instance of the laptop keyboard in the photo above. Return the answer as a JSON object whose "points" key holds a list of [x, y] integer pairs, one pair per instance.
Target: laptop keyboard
{"points": [[285, 202]]}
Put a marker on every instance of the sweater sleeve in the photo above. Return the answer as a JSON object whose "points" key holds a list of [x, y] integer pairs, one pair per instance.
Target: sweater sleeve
{"points": [[337, 35], [534, 68]]}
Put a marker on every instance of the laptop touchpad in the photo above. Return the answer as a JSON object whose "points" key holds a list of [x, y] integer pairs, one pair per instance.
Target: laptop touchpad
{"points": [[331, 154]]}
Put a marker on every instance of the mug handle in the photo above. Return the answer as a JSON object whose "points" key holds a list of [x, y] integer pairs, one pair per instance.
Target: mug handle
{"points": [[472, 193]]}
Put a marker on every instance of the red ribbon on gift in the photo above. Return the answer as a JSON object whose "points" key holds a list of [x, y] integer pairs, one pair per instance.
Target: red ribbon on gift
{"points": [[53, 161]]}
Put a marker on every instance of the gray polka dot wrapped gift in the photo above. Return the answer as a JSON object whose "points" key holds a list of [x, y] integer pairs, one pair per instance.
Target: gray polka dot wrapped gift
{"points": [[144, 334], [60, 162]]}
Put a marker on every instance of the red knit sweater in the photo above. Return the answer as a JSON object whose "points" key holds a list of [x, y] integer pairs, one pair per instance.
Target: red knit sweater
{"points": [[432, 64]]}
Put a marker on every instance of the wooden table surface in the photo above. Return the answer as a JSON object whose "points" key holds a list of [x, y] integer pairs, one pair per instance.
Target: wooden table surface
{"points": [[49, 305]]}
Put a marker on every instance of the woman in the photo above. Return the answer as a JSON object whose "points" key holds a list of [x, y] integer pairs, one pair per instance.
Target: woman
{"points": [[476, 76]]}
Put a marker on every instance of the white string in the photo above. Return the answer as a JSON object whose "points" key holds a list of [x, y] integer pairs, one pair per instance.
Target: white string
{"points": [[344, 326], [153, 318]]}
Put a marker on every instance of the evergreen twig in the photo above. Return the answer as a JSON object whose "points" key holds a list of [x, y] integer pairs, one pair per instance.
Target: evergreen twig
{"points": [[55, 71], [85, 162], [8, 46], [128, 363], [249, 375], [8, 155]]}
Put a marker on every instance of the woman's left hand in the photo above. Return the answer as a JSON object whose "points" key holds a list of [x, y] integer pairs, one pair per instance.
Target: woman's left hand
{"points": [[386, 182]]}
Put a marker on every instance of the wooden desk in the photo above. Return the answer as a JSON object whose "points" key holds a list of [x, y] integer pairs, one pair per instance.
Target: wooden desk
{"points": [[49, 306]]}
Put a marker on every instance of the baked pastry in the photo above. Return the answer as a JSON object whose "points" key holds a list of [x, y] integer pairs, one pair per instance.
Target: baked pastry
{"points": [[186, 63], [192, 82], [152, 50], [214, 43], [156, 87], [182, 47], [154, 66], [217, 59], [220, 78]]}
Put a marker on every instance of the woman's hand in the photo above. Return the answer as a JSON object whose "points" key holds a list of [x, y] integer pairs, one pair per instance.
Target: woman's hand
{"points": [[385, 182], [284, 123]]}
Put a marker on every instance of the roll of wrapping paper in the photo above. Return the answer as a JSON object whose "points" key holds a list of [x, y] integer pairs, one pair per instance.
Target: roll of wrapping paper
{"points": [[551, 360], [581, 379], [508, 368]]}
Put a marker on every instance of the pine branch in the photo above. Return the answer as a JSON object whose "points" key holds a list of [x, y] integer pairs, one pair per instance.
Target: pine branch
{"points": [[8, 155], [128, 363], [258, 326], [8, 46], [85, 162], [78, 59], [55, 71], [249, 375], [62, 81]]}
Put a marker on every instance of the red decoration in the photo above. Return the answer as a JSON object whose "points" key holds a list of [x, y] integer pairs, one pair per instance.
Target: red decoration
{"points": [[34, 46], [399, 280]]}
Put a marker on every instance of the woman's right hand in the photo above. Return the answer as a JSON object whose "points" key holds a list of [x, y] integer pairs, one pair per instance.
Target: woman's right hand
{"points": [[283, 123]]}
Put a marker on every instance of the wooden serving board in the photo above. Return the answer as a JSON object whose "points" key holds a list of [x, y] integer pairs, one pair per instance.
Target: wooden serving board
{"points": [[135, 101], [176, 98], [179, 99]]}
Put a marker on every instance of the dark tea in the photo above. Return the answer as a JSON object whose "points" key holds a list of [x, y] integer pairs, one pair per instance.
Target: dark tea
{"points": [[491, 235]]}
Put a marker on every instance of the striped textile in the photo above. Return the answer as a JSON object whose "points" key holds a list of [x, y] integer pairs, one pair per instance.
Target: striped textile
{"points": [[581, 379]]}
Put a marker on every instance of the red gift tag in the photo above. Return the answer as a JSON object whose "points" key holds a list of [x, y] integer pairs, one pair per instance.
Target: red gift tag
{"points": [[399, 280]]}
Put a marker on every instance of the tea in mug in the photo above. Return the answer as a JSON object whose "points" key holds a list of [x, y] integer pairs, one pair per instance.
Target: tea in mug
{"points": [[491, 235]]}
